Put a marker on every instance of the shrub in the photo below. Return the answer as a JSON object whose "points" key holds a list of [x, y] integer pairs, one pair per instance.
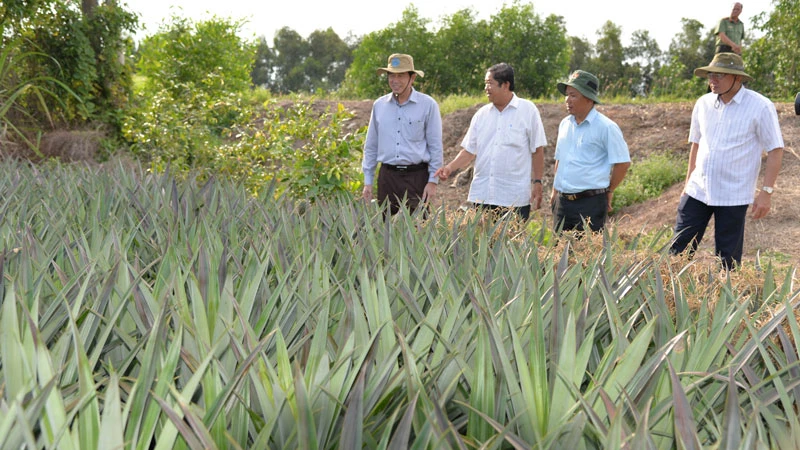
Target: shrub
{"points": [[649, 178], [20, 95]]}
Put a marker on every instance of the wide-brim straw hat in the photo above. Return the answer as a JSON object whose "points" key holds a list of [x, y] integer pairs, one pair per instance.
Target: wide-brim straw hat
{"points": [[729, 63], [400, 63]]}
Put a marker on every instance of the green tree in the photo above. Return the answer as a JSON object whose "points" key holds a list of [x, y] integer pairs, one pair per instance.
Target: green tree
{"points": [[689, 47], [688, 50], [537, 49], [580, 54], [458, 44], [773, 59], [328, 59], [609, 63], [207, 56], [262, 73], [82, 47], [410, 35], [644, 56], [195, 74], [291, 52]]}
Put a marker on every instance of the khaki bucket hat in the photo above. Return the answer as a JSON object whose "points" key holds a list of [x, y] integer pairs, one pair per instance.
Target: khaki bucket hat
{"points": [[729, 63], [400, 63]]}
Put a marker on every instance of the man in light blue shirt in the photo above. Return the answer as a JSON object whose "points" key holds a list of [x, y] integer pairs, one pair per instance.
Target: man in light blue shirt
{"points": [[405, 136], [591, 156]]}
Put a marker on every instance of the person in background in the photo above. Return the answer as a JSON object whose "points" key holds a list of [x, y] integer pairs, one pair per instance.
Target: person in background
{"points": [[731, 127], [506, 140], [591, 156], [405, 136], [730, 32]]}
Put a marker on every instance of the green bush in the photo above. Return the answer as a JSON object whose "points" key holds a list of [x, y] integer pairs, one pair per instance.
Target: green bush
{"points": [[649, 178], [21, 96], [81, 52]]}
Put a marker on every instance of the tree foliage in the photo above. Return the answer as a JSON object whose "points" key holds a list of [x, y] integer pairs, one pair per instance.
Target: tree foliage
{"points": [[82, 50], [296, 64], [410, 35], [263, 67], [536, 48], [581, 50], [455, 57], [459, 35], [195, 119], [194, 77], [773, 59], [689, 47], [608, 63], [207, 55], [644, 55]]}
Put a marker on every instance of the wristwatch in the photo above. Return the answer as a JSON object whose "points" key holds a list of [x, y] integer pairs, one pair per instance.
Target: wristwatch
{"points": [[768, 189]]}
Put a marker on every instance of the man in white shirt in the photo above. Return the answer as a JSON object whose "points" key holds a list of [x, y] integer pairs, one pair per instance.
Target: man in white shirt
{"points": [[731, 127], [506, 139]]}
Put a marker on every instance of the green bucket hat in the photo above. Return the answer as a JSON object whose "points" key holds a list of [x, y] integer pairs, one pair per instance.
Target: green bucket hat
{"points": [[724, 63], [400, 63], [797, 104], [586, 83]]}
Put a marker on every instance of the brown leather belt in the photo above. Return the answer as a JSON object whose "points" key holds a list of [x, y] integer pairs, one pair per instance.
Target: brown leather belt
{"points": [[583, 194], [407, 168]]}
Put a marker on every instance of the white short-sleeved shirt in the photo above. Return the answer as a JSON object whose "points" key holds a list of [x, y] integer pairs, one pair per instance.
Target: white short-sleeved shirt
{"points": [[731, 139], [503, 143]]}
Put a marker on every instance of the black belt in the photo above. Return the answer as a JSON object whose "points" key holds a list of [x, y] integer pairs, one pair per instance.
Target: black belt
{"points": [[407, 168], [583, 194]]}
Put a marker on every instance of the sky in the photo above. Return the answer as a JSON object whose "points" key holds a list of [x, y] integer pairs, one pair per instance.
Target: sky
{"points": [[583, 17]]}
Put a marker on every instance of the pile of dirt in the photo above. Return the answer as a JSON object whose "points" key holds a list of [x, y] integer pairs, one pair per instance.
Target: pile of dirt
{"points": [[647, 129]]}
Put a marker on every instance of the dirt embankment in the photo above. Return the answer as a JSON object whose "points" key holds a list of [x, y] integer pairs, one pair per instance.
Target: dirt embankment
{"points": [[648, 129]]}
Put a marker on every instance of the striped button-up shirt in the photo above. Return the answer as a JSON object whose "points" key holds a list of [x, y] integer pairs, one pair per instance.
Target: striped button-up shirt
{"points": [[731, 139], [402, 135]]}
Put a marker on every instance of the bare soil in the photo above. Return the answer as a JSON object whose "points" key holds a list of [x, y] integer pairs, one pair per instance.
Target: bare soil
{"points": [[647, 129]]}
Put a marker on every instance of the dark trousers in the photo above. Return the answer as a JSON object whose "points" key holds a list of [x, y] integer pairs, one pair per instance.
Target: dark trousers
{"points": [[571, 214], [523, 212], [723, 49], [691, 223], [395, 185]]}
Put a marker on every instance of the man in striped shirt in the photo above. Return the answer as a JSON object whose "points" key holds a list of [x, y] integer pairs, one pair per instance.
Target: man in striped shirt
{"points": [[731, 127]]}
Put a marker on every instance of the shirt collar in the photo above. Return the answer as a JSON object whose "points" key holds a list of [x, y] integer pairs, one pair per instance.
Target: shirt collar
{"points": [[513, 103], [589, 117], [739, 97], [411, 98]]}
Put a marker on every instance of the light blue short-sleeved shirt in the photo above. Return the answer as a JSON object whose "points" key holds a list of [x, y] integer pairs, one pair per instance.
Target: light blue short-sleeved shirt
{"points": [[405, 134], [587, 152]]}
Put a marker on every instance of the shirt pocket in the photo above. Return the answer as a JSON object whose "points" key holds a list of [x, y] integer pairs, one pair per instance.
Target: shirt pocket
{"points": [[515, 137], [415, 130]]}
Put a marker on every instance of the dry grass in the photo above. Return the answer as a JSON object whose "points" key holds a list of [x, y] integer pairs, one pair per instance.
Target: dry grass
{"points": [[71, 146]]}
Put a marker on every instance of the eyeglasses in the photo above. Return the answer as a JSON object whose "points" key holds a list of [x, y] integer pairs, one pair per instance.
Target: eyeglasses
{"points": [[717, 76]]}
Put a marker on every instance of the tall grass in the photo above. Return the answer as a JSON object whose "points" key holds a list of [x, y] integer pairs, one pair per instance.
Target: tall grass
{"points": [[142, 313], [650, 178]]}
